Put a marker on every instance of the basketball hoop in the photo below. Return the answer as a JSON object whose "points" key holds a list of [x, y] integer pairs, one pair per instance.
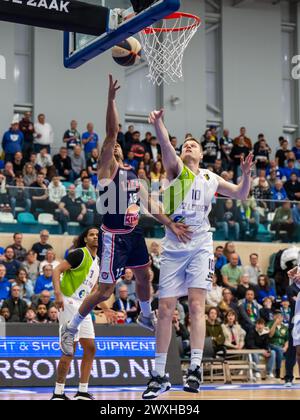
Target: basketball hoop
{"points": [[164, 46]]}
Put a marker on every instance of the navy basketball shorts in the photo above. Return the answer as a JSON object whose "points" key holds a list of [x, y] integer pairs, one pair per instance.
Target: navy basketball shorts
{"points": [[120, 251]]}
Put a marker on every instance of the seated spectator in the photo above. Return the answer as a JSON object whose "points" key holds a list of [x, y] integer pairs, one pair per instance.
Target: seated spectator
{"points": [[157, 172], [155, 254], [220, 259], [286, 310], [63, 165], [131, 161], [53, 315], [77, 161], [125, 304], [90, 140], [229, 249], [4, 198], [18, 163], [44, 161], [5, 314], [279, 339], [229, 220], [182, 332], [44, 298], [83, 174], [227, 303], [266, 312], [226, 145], [264, 289], [56, 190], [289, 170], [296, 220], [32, 265], [210, 148], [233, 332], [13, 140], [258, 339], [44, 281], [40, 196], [25, 284], [87, 193], [283, 221], [245, 285], [29, 174], [11, 264], [41, 248], [128, 281], [148, 164], [278, 192], [20, 251], [73, 209], [253, 270], [42, 314], [231, 272], [249, 311], [121, 138], [5, 285], [154, 149], [9, 173], [92, 166], [292, 187], [121, 318], [214, 329], [174, 143], [19, 195], [261, 155], [249, 219], [136, 146], [72, 137], [282, 153], [272, 178], [240, 149], [30, 316], [49, 259], [214, 296], [16, 306]]}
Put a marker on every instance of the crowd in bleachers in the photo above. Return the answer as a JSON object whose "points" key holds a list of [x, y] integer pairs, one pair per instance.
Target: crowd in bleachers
{"points": [[34, 179]]}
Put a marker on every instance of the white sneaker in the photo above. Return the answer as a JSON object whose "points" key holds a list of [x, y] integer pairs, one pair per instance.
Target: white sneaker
{"points": [[257, 375], [270, 376], [288, 384]]}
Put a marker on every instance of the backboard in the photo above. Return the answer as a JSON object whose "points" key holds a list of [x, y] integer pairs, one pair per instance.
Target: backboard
{"points": [[80, 48]]}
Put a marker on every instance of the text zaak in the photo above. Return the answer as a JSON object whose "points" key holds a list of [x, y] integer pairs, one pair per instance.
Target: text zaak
{"points": [[57, 5]]}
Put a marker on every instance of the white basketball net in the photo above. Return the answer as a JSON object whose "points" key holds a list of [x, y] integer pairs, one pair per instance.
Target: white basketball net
{"points": [[164, 47]]}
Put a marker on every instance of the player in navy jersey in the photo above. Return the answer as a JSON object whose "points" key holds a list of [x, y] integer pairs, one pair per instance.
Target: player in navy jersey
{"points": [[121, 243]]}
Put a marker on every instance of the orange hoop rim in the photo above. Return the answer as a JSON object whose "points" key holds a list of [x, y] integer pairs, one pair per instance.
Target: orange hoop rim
{"points": [[176, 15]]}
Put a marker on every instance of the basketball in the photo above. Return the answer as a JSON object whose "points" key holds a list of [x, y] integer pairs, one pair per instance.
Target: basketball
{"points": [[128, 52]]}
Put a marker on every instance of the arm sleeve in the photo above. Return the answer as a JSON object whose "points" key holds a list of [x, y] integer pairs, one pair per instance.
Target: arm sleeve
{"points": [[75, 258]]}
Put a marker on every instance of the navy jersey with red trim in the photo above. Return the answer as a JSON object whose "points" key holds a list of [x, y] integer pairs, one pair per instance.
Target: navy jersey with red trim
{"points": [[119, 201]]}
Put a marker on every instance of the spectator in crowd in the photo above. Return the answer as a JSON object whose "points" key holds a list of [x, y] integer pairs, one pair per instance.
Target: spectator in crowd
{"points": [[44, 281], [63, 165], [4, 198], [147, 163], [18, 163], [220, 259], [87, 193], [5, 285], [261, 155], [230, 220], [245, 285], [253, 270], [45, 299], [20, 251], [73, 209], [128, 137], [154, 149], [249, 311], [289, 170], [249, 219], [210, 148], [43, 134], [126, 305], [247, 140], [5, 314], [41, 247], [56, 190], [281, 154], [157, 172], [40, 196], [128, 281], [72, 136], [121, 317], [279, 339], [239, 150], [49, 259], [136, 147], [266, 312], [11, 264], [147, 140], [214, 329], [182, 332], [131, 161], [31, 265], [25, 284], [227, 303], [77, 161], [264, 289], [16, 306], [286, 310], [30, 316], [90, 140], [155, 254], [27, 128], [42, 314], [258, 339], [174, 143], [229, 249], [233, 332], [92, 166], [83, 174], [261, 137], [283, 221], [9, 173], [296, 149], [44, 161], [53, 315], [19, 195], [231, 272], [121, 138], [292, 187], [226, 145], [13, 140], [29, 174], [214, 296], [296, 220]]}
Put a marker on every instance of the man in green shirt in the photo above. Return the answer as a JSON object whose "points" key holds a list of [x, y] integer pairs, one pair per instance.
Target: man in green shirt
{"points": [[232, 272], [279, 339]]}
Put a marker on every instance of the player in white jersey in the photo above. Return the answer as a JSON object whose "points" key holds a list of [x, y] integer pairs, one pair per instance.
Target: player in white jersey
{"points": [[187, 269]]}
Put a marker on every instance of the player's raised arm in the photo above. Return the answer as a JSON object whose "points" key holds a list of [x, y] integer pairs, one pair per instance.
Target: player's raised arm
{"points": [[171, 161], [240, 191], [107, 161]]}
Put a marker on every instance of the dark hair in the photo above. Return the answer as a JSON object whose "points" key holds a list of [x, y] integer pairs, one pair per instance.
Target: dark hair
{"points": [[84, 178], [261, 321], [213, 308], [80, 240], [10, 247], [254, 253], [231, 312], [17, 233], [267, 282], [220, 247]]}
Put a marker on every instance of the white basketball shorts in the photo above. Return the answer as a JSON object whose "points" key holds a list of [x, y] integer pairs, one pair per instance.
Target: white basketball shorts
{"points": [[296, 330], [186, 266], [86, 328]]}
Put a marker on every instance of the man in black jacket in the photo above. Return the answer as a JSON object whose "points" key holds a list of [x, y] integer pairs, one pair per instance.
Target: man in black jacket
{"points": [[258, 338], [17, 307]]}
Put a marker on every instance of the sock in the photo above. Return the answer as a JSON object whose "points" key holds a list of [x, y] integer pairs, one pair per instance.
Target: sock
{"points": [[146, 308], [76, 321], [196, 358], [160, 363], [83, 388], [59, 389]]}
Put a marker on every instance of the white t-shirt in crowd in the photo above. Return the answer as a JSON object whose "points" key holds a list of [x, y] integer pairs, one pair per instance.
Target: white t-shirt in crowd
{"points": [[46, 132]]}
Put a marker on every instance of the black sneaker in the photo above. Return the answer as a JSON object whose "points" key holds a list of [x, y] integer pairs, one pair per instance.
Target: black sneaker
{"points": [[83, 396], [193, 380], [57, 397], [157, 385]]}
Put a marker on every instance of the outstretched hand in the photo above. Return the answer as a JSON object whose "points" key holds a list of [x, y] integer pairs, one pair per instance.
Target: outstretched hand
{"points": [[156, 116], [247, 164], [113, 88], [181, 231]]}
